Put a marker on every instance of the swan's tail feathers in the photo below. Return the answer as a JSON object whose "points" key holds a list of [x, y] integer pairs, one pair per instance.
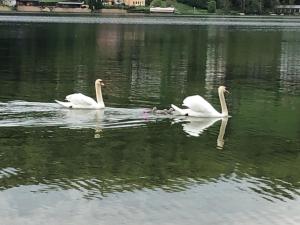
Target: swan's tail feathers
{"points": [[64, 104], [178, 110]]}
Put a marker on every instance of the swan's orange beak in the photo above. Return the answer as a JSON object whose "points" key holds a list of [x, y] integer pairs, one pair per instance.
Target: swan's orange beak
{"points": [[226, 91], [102, 84]]}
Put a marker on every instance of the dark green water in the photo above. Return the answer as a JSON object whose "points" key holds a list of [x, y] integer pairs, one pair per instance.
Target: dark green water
{"points": [[126, 165]]}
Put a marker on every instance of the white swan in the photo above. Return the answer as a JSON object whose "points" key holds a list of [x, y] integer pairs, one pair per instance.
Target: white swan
{"points": [[80, 101], [199, 107]]}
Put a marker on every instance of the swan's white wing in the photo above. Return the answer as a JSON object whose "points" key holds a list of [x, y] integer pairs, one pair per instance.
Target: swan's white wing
{"points": [[182, 112], [199, 104], [79, 99], [187, 112], [65, 104]]}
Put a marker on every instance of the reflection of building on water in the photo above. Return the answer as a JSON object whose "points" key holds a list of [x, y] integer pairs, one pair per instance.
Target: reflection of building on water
{"points": [[216, 58], [122, 59], [134, 35], [109, 39], [117, 42], [290, 61]]}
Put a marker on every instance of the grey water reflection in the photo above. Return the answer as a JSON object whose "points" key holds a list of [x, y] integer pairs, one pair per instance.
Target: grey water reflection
{"points": [[126, 165], [158, 20]]}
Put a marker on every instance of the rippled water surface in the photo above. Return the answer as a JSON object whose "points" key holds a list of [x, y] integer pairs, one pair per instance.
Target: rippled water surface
{"points": [[128, 165]]}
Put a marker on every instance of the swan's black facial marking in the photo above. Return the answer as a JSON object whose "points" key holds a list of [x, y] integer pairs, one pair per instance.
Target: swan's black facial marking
{"points": [[186, 114], [70, 107]]}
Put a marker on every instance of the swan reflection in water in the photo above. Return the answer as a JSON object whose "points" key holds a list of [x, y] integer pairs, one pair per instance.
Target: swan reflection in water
{"points": [[106, 118], [81, 118], [31, 114], [118, 117], [194, 126]]}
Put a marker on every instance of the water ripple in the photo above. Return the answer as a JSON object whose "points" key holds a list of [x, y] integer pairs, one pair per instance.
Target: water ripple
{"points": [[8, 172], [35, 114]]}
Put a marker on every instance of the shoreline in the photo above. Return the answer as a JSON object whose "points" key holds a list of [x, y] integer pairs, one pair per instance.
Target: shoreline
{"points": [[98, 14]]}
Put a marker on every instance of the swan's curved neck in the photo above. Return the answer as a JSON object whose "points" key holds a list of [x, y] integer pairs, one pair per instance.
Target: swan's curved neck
{"points": [[98, 94], [223, 103]]}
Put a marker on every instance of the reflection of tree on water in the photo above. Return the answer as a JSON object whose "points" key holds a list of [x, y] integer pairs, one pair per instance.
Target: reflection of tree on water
{"points": [[216, 58], [153, 156], [153, 71], [290, 62]]}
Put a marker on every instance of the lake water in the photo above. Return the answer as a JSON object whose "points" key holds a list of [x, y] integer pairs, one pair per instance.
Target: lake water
{"points": [[126, 165]]}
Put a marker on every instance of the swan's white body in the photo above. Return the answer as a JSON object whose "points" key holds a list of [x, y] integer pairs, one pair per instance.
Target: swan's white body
{"points": [[80, 101], [199, 107]]}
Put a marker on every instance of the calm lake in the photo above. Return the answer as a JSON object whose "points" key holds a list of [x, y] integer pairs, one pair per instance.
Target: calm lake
{"points": [[127, 165]]}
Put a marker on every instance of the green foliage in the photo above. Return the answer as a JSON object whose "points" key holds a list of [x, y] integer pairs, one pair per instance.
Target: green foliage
{"points": [[253, 6], [156, 3], [138, 10], [245, 6], [169, 3], [211, 6], [195, 3], [95, 4], [186, 9], [163, 3]]}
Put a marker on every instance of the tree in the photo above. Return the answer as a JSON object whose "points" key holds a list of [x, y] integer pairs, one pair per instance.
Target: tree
{"points": [[156, 3], [211, 6], [95, 4], [195, 3], [253, 6]]}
